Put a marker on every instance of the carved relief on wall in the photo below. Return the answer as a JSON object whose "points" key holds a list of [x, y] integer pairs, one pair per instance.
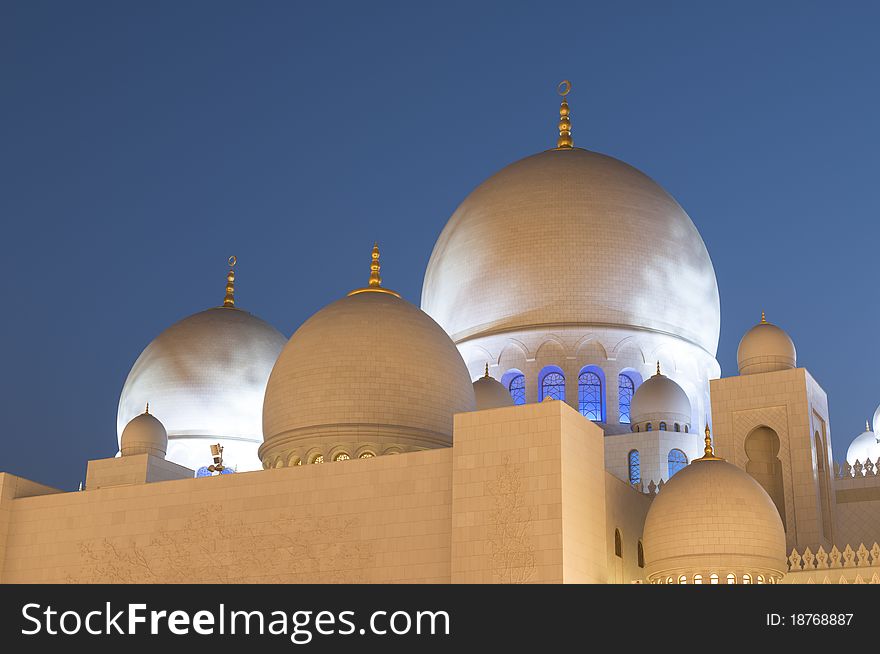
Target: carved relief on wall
{"points": [[511, 551], [216, 547]]}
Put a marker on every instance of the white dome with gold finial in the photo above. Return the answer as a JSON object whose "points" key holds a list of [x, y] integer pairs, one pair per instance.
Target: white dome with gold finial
{"points": [[570, 236], [369, 374], [144, 434], [206, 376], [712, 520], [490, 393], [765, 348]]}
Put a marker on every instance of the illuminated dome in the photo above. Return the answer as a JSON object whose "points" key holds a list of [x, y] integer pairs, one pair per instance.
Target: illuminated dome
{"points": [[144, 434], [206, 376], [660, 400], [490, 393], [864, 447], [877, 420], [712, 518], [369, 374], [570, 237], [765, 348]]}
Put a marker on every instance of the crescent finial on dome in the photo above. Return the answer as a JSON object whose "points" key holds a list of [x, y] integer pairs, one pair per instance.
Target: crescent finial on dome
{"points": [[658, 367], [375, 283], [763, 317], [486, 375], [229, 300], [564, 142], [147, 410]]}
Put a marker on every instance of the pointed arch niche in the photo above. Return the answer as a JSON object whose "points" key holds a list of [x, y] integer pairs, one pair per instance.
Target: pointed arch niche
{"points": [[763, 464]]}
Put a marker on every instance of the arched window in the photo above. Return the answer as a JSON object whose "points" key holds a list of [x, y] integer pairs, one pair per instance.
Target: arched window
{"points": [[731, 578], [649, 427], [618, 544], [686, 429], [669, 580], [626, 388], [590, 396], [553, 385], [698, 579], [676, 460], [635, 468], [747, 579], [366, 455], [713, 578], [683, 579], [677, 427], [641, 552], [342, 456], [517, 388], [759, 579], [662, 426], [318, 459]]}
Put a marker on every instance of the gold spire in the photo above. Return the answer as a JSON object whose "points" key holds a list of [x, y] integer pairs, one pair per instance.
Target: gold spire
{"points": [[658, 367], [229, 300], [867, 424], [487, 372], [375, 283], [708, 450], [147, 410], [763, 317], [564, 142]]}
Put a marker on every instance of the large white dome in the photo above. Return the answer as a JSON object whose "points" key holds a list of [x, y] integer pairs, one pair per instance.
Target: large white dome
{"points": [[572, 238], [369, 374], [205, 378]]}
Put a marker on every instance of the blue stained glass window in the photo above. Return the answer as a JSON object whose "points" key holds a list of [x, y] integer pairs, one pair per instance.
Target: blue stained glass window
{"points": [[677, 460], [590, 396], [635, 468], [626, 388], [517, 388], [553, 385]]}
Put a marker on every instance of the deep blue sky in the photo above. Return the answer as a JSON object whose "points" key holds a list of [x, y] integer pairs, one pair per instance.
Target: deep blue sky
{"points": [[143, 143]]}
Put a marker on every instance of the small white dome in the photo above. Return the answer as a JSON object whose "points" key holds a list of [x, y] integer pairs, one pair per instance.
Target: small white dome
{"points": [[713, 518], [659, 399], [370, 368], [490, 393], [144, 434], [765, 348], [877, 420], [865, 446]]}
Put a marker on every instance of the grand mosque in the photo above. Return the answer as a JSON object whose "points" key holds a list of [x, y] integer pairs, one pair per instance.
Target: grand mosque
{"points": [[526, 424]]}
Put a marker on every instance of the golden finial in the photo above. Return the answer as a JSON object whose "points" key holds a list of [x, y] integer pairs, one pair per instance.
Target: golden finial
{"points": [[708, 450], [487, 372], [229, 300], [147, 410], [375, 283], [658, 367], [763, 317], [564, 142], [867, 425]]}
